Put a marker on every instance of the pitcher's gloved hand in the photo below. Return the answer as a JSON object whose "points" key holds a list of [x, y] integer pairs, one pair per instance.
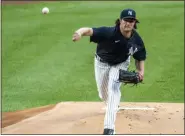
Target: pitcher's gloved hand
{"points": [[130, 77]]}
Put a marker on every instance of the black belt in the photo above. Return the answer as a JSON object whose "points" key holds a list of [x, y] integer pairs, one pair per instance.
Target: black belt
{"points": [[103, 61]]}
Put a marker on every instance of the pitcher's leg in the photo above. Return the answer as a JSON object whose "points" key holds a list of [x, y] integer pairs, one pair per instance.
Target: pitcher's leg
{"points": [[102, 78], [113, 99], [114, 95]]}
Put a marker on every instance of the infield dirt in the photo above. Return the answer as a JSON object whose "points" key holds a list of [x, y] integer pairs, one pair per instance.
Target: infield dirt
{"points": [[88, 117]]}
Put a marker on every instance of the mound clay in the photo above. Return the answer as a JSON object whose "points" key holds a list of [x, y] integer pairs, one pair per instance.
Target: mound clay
{"points": [[88, 117]]}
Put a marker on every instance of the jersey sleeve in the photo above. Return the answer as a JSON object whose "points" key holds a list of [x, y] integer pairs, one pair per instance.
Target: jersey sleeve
{"points": [[99, 34], [141, 54]]}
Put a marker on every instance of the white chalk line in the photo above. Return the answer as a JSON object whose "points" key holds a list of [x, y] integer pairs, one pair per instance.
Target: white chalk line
{"points": [[132, 108]]}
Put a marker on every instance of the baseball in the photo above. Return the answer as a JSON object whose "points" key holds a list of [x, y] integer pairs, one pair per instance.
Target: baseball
{"points": [[45, 10]]}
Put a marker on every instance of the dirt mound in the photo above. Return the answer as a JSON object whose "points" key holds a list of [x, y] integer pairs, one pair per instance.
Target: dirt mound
{"points": [[87, 118]]}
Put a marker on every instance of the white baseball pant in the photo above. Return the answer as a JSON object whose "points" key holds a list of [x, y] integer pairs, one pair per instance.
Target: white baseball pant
{"points": [[109, 88]]}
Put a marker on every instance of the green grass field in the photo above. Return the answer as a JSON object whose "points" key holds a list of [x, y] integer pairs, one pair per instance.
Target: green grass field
{"points": [[41, 65]]}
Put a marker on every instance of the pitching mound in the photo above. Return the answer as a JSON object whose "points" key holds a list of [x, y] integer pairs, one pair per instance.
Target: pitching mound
{"points": [[88, 118]]}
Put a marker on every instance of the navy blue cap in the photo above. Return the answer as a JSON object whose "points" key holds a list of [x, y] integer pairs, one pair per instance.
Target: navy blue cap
{"points": [[128, 13]]}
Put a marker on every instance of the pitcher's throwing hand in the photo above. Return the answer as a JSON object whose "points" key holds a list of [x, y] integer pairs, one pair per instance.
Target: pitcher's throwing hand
{"points": [[76, 36]]}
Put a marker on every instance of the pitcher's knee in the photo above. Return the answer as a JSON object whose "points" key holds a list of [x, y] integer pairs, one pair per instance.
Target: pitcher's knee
{"points": [[103, 96], [100, 96]]}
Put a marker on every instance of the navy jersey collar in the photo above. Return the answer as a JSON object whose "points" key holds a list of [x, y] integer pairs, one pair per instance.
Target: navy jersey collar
{"points": [[119, 32]]}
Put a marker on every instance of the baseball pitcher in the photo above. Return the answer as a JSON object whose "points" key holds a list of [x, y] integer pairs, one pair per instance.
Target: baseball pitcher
{"points": [[115, 46]]}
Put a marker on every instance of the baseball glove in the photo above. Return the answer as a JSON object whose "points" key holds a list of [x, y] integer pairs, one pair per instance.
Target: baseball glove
{"points": [[129, 77]]}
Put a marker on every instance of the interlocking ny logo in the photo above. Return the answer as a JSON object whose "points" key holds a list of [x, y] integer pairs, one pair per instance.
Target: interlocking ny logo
{"points": [[132, 50], [130, 12]]}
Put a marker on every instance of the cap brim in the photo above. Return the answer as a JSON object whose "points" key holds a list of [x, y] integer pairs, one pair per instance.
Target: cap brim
{"points": [[137, 21]]}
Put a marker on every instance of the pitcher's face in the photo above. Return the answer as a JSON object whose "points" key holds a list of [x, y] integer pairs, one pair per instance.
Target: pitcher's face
{"points": [[127, 24]]}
